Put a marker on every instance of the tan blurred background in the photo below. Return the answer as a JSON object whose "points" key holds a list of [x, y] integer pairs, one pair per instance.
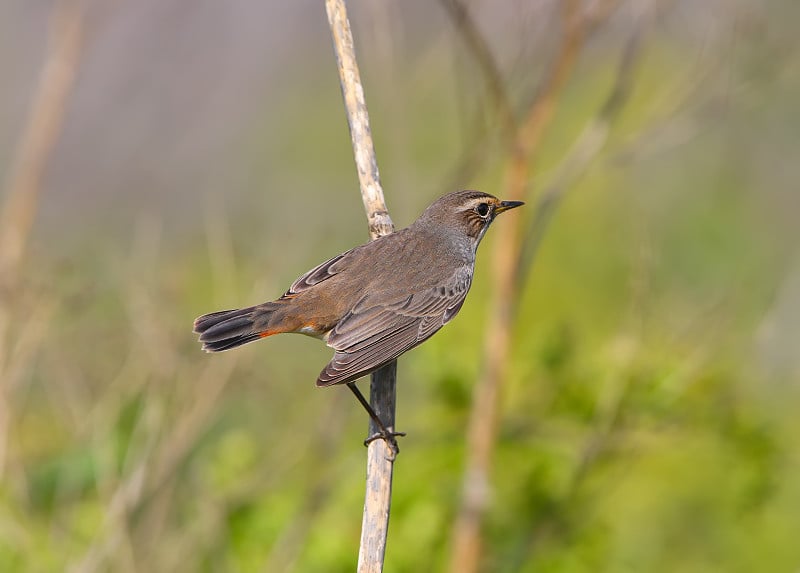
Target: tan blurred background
{"points": [[163, 159]]}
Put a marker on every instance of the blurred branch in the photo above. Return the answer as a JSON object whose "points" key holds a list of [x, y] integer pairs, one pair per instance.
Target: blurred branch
{"points": [[41, 132], [544, 105], [598, 447], [476, 45], [380, 459], [585, 148], [608, 433], [166, 448], [467, 549], [23, 185], [155, 469], [599, 12], [476, 154], [290, 543]]}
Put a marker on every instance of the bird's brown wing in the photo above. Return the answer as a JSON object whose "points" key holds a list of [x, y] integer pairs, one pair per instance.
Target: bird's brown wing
{"points": [[375, 331], [320, 273]]}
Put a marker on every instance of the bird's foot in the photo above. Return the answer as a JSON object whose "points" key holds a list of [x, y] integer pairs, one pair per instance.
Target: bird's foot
{"points": [[389, 438]]}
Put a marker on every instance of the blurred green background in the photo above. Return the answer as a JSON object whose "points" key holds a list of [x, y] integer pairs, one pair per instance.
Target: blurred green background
{"points": [[649, 421]]}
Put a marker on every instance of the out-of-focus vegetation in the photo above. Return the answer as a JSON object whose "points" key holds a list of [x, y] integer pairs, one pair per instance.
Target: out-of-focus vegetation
{"points": [[650, 419]]}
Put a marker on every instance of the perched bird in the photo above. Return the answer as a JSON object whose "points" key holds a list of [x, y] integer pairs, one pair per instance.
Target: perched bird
{"points": [[378, 300]]}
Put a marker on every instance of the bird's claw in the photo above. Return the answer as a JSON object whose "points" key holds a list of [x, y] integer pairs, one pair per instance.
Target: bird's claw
{"points": [[389, 438]]}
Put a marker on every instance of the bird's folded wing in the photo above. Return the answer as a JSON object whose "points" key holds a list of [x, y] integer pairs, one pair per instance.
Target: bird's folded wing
{"points": [[320, 273], [375, 331]]}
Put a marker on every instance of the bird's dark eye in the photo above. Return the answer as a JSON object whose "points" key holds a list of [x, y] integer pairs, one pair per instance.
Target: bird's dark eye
{"points": [[482, 209]]}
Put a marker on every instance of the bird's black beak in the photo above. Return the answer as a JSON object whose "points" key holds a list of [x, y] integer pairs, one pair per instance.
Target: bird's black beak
{"points": [[506, 205]]}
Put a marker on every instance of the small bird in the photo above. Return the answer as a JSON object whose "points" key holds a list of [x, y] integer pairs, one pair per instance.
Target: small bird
{"points": [[378, 300]]}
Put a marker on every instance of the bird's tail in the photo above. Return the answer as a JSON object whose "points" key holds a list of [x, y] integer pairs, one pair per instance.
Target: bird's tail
{"points": [[228, 329]]}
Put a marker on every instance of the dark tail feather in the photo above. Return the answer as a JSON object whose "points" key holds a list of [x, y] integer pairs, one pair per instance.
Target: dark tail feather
{"points": [[231, 328]]}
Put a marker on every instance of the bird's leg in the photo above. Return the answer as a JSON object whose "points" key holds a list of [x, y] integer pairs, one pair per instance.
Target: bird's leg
{"points": [[383, 433]]}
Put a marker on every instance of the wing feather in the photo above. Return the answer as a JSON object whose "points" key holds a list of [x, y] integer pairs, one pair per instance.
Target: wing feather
{"points": [[347, 366], [320, 273], [374, 333]]}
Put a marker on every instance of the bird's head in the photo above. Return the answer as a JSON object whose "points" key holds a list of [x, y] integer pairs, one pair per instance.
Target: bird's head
{"points": [[468, 213]]}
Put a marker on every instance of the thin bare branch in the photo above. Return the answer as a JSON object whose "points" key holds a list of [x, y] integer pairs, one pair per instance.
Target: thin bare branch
{"points": [[357, 117], [380, 459]]}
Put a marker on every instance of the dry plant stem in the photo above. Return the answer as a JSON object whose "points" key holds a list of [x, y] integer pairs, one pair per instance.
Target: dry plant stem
{"points": [[467, 549], [380, 458], [358, 119]]}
